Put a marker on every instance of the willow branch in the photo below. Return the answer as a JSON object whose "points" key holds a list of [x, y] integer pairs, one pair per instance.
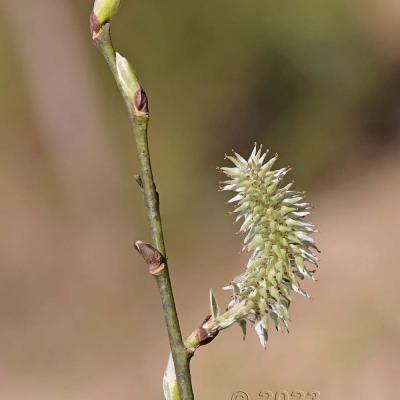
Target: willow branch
{"points": [[137, 105]]}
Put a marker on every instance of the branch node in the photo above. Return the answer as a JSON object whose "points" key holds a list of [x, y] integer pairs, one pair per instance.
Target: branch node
{"points": [[139, 180]]}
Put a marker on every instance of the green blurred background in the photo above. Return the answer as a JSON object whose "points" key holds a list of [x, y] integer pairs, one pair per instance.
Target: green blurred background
{"points": [[316, 81]]}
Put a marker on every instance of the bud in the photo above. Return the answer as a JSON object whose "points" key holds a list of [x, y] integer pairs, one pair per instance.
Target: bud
{"points": [[152, 256], [170, 383], [130, 85], [141, 103], [104, 10]]}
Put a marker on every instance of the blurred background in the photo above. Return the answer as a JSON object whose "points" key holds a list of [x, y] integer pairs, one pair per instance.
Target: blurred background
{"points": [[318, 82]]}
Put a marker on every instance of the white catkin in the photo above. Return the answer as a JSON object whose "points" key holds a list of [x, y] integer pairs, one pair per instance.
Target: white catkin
{"points": [[277, 236]]}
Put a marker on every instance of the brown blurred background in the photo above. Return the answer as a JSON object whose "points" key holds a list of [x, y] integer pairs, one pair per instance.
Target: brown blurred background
{"points": [[316, 81]]}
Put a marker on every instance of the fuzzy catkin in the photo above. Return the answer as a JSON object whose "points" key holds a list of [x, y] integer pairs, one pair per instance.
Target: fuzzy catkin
{"points": [[276, 235]]}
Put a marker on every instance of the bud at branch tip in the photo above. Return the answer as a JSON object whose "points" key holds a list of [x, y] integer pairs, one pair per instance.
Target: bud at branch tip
{"points": [[104, 10]]}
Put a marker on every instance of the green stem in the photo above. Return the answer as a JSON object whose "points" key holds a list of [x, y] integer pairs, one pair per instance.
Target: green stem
{"points": [[139, 121]]}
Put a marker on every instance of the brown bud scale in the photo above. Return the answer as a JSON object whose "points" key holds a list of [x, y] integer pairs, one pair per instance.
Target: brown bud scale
{"points": [[95, 25], [141, 103], [154, 259]]}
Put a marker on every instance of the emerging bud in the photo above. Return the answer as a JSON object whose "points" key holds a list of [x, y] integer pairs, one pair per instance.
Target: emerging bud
{"points": [[170, 383], [104, 10], [130, 85]]}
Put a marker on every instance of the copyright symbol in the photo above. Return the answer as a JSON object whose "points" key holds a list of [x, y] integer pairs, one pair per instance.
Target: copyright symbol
{"points": [[240, 395]]}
